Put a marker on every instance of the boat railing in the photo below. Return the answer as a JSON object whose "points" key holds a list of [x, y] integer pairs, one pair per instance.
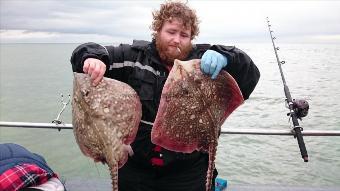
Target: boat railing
{"points": [[59, 126]]}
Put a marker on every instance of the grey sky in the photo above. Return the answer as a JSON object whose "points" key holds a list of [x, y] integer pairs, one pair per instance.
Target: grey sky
{"points": [[68, 21]]}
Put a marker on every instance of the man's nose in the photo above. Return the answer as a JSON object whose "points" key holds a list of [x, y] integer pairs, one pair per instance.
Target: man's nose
{"points": [[177, 39]]}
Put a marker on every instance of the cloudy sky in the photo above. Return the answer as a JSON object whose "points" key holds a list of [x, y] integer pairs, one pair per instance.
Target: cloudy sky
{"points": [[77, 21]]}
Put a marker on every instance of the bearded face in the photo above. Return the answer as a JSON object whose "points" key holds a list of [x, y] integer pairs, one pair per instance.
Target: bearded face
{"points": [[173, 41]]}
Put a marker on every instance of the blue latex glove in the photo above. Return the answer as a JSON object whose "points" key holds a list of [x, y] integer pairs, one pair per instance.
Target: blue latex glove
{"points": [[220, 184], [212, 63]]}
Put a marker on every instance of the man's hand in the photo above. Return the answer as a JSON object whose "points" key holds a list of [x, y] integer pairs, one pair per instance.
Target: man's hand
{"points": [[95, 68], [212, 63]]}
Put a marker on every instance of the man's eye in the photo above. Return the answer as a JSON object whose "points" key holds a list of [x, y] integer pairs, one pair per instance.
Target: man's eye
{"points": [[184, 35], [171, 32]]}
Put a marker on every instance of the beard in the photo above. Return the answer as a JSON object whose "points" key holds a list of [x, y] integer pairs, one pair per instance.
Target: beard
{"points": [[169, 56]]}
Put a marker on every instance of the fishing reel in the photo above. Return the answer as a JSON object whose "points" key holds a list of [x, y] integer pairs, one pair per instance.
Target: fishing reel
{"points": [[300, 108]]}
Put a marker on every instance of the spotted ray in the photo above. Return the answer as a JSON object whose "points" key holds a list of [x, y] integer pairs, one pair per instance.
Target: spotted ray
{"points": [[192, 109], [105, 120]]}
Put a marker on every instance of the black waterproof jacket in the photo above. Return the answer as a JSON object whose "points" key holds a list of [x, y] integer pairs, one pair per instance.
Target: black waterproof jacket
{"points": [[140, 66]]}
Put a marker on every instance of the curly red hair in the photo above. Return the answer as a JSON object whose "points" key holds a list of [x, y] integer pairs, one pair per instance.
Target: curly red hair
{"points": [[178, 10]]}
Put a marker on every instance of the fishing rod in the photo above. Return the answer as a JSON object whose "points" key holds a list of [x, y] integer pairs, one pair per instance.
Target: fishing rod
{"points": [[297, 108]]}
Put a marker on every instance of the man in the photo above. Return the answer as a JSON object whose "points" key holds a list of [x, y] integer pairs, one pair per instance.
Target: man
{"points": [[145, 66]]}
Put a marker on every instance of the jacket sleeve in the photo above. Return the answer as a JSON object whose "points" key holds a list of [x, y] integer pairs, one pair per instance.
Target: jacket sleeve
{"points": [[241, 67], [88, 50], [112, 56]]}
